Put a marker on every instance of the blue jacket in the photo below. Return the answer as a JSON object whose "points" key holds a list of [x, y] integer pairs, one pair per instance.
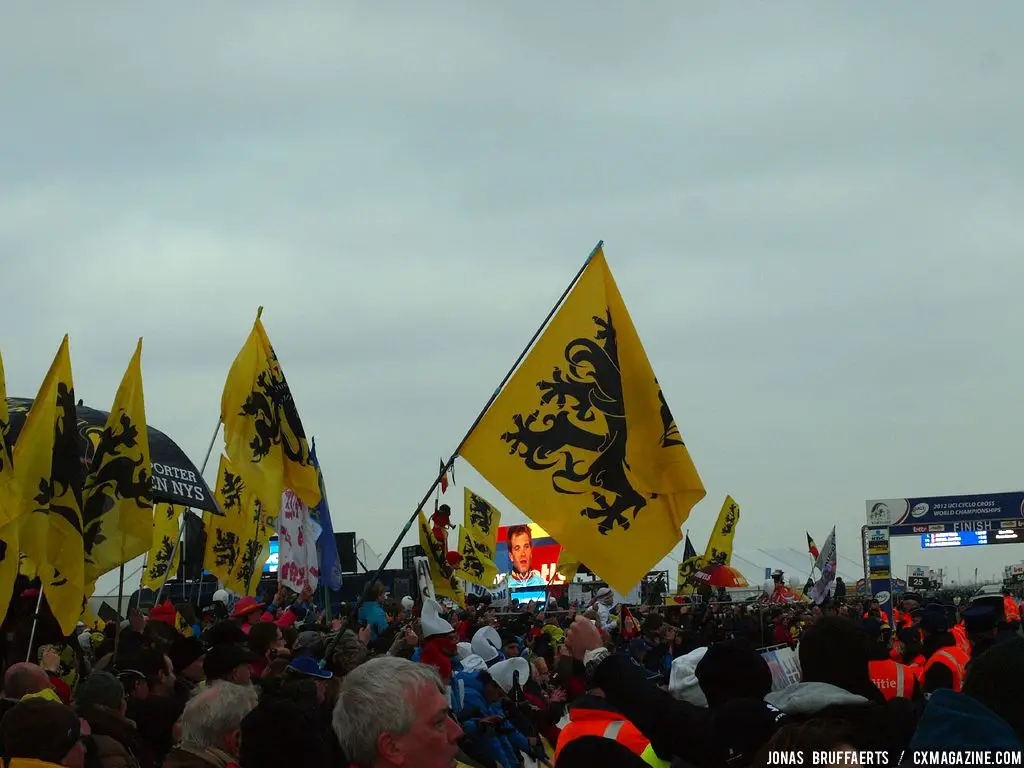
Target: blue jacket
{"points": [[373, 614], [502, 742], [953, 721]]}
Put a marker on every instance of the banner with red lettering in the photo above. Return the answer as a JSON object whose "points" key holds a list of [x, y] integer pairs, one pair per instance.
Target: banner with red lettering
{"points": [[297, 532]]}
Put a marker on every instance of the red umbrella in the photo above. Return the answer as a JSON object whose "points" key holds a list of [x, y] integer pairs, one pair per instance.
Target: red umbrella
{"points": [[719, 576]]}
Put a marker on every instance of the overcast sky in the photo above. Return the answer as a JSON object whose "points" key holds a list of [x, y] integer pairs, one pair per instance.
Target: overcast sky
{"points": [[810, 212]]}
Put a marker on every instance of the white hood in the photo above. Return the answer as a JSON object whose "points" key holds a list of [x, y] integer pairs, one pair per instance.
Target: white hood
{"points": [[808, 698], [682, 682]]}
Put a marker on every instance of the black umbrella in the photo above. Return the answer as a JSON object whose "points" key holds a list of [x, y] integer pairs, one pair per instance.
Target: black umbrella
{"points": [[175, 478]]}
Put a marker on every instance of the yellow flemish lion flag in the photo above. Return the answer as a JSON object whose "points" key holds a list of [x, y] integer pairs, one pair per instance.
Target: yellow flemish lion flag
{"points": [[482, 521], [690, 564], [475, 567], [48, 477], [582, 440], [719, 550], [443, 576], [166, 520], [237, 542], [262, 431], [117, 502]]}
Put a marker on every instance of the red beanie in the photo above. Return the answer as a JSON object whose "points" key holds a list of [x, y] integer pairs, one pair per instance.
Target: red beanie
{"points": [[165, 612]]}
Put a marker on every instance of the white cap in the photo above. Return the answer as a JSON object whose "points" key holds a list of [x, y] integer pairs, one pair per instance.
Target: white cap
{"points": [[682, 682], [603, 592], [431, 621], [408, 603], [504, 672], [463, 650], [486, 643], [221, 596]]}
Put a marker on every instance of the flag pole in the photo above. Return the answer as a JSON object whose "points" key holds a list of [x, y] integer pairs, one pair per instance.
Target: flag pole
{"points": [[35, 620], [120, 621], [494, 396], [177, 542]]}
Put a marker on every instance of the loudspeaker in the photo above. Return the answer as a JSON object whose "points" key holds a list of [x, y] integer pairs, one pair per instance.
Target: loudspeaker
{"points": [[408, 553], [346, 543], [402, 588]]}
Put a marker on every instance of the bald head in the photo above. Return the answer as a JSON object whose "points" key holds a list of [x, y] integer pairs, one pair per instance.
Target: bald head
{"points": [[24, 678]]}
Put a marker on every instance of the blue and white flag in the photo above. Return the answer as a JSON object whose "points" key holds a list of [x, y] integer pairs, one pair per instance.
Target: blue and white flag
{"points": [[827, 563], [326, 546]]}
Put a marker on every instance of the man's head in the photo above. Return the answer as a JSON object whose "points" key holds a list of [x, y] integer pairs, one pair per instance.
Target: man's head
{"points": [[229, 663], [836, 651], [187, 655], [391, 712], [24, 678], [100, 690], [520, 549], [214, 717], [492, 691], [148, 673], [44, 730], [266, 640], [509, 643]]}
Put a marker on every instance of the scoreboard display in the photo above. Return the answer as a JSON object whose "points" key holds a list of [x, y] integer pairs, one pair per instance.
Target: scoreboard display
{"points": [[971, 538], [953, 539]]}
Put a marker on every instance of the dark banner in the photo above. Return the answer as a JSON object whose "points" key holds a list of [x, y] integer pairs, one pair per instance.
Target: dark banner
{"points": [[175, 478], [954, 513]]}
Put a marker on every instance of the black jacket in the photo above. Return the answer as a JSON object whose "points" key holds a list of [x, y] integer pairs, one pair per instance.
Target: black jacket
{"points": [[694, 735]]}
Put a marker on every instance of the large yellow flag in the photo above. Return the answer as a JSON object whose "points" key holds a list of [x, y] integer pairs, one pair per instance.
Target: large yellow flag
{"points": [[117, 502], [482, 521], [446, 583], [719, 550], [49, 475], [166, 527], [475, 567], [262, 431], [582, 440], [237, 541]]}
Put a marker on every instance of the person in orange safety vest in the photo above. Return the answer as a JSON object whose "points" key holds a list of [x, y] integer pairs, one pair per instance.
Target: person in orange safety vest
{"points": [[1011, 612], [946, 663], [593, 716], [894, 680]]}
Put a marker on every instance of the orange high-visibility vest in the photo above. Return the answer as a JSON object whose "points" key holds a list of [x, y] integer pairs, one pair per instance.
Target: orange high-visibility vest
{"points": [[1010, 610], [953, 659], [609, 725], [895, 681], [960, 635]]}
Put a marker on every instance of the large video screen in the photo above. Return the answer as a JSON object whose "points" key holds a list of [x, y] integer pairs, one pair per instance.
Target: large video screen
{"points": [[271, 565], [529, 557]]}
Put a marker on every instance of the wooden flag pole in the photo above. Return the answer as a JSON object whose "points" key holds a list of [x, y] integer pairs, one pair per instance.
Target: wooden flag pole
{"points": [[494, 396], [177, 542]]}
